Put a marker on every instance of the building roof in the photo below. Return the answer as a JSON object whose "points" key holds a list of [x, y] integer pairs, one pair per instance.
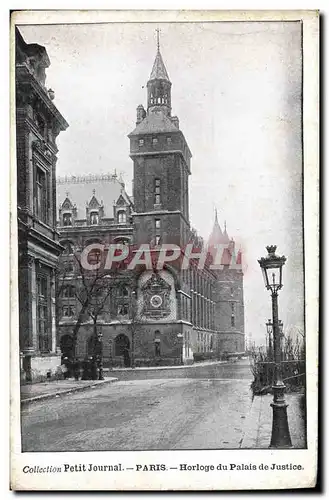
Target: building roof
{"points": [[80, 190], [159, 71], [155, 121]]}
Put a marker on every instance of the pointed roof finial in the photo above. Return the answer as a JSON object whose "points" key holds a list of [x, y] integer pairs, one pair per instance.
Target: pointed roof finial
{"points": [[225, 225], [67, 194], [94, 192], [159, 71], [158, 39], [216, 217]]}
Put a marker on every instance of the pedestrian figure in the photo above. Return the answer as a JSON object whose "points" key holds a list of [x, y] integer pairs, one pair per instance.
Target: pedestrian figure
{"points": [[66, 367], [94, 368], [126, 357], [76, 368]]}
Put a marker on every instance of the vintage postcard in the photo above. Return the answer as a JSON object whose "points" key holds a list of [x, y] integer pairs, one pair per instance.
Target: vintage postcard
{"points": [[164, 237]]}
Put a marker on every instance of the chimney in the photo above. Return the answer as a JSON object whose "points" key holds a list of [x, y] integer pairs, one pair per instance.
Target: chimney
{"points": [[175, 121], [141, 113]]}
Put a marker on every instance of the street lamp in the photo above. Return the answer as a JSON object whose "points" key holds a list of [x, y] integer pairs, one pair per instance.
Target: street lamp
{"points": [[271, 266]]}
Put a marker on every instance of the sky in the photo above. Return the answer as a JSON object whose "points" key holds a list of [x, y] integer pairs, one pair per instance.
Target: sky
{"points": [[236, 88]]}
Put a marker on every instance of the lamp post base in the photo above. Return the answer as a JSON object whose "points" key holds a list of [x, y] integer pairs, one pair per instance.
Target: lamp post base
{"points": [[280, 429]]}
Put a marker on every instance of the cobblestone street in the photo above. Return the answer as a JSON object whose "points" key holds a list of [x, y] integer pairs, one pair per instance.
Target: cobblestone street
{"points": [[189, 408]]}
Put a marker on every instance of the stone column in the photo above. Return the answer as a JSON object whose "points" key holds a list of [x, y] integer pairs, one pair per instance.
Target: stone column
{"points": [[26, 269], [34, 288], [27, 347], [53, 311]]}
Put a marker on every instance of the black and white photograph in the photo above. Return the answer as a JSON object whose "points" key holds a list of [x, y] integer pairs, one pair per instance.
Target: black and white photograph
{"points": [[166, 250]]}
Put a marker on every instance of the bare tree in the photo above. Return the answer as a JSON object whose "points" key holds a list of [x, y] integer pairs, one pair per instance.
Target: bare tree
{"points": [[92, 290]]}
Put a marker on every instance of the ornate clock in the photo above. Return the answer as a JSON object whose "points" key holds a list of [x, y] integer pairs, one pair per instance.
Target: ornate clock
{"points": [[156, 294]]}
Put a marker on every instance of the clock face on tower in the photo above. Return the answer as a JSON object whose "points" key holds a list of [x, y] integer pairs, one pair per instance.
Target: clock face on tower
{"points": [[156, 301]]}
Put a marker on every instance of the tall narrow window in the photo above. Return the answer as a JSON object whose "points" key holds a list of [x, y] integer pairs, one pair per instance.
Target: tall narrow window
{"points": [[94, 256], [122, 217], [123, 310], [68, 291], [41, 195], [154, 141], [94, 218], [68, 311], [157, 191], [157, 231], [44, 337]]}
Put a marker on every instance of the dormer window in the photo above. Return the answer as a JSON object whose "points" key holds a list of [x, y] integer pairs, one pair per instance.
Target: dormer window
{"points": [[67, 219], [122, 217], [94, 218], [141, 142]]}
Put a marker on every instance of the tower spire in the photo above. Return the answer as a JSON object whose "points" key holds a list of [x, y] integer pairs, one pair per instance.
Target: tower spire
{"points": [[159, 85], [158, 39]]}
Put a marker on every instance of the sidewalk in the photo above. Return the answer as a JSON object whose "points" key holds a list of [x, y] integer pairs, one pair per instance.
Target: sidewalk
{"points": [[56, 388], [259, 422]]}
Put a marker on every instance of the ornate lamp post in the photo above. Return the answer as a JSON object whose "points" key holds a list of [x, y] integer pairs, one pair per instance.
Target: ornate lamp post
{"points": [[269, 329], [272, 271]]}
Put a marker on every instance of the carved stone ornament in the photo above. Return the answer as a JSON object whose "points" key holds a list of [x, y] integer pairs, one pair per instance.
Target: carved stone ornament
{"points": [[42, 148], [156, 297]]}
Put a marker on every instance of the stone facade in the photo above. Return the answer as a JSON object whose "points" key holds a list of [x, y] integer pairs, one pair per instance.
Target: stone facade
{"points": [[38, 123], [150, 316]]}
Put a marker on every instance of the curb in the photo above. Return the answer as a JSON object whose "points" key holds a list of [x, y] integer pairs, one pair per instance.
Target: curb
{"points": [[44, 397]]}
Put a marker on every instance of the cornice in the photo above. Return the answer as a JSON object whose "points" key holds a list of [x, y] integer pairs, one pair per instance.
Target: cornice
{"points": [[24, 76]]}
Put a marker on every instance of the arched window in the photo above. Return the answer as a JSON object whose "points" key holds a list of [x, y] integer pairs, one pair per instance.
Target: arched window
{"points": [[122, 217]]}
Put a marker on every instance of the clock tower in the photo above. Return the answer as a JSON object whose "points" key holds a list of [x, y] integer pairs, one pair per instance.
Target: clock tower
{"points": [[161, 160]]}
